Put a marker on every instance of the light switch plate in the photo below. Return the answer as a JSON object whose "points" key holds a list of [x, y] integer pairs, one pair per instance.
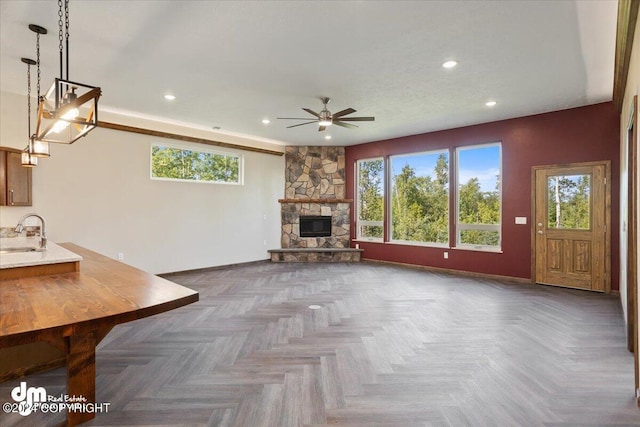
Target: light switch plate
{"points": [[521, 220]]}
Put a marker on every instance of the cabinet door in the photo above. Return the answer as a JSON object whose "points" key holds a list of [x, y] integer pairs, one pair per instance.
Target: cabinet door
{"points": [[3, 178], [18, 179]]}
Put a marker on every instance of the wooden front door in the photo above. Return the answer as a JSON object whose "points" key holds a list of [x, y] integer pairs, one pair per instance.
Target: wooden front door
{"points": [[571, 225]]}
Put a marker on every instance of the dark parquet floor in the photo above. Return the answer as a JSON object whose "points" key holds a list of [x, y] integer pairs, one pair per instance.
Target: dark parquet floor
{"points": [[389, 346]]}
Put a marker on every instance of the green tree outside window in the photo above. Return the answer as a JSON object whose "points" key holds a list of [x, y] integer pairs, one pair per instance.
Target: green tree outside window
{"points": [[182, 164]]}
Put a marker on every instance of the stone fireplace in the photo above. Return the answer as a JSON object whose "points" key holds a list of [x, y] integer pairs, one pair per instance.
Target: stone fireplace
{"points": [[315, 186]]}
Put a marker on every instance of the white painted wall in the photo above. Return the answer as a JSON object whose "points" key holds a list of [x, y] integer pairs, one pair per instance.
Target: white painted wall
{"points": [[97, 193]]}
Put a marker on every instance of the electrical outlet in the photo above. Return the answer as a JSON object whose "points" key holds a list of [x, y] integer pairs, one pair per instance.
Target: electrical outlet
{"points": [[446, 255], [264, 242], [120, 256]]}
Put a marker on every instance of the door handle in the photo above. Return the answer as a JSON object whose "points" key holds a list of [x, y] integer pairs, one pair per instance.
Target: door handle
{"points": [[11, 197]]}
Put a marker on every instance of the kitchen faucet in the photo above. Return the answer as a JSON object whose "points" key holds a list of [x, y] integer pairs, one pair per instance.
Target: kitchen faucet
{"points": [[43, 232]]}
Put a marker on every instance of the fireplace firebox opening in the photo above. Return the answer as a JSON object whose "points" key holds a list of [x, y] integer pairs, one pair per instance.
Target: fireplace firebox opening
{"points": [[315, 226]]}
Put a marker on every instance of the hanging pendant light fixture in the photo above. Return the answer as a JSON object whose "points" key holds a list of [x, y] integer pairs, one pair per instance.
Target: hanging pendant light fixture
{"points": [[28, 161], [29, 158], [36, 147], [69, 110]]}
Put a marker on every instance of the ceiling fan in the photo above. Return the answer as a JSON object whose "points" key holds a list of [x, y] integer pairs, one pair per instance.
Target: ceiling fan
{"points": [[325, 118]]}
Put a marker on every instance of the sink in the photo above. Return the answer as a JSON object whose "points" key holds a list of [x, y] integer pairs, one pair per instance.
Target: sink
{"points": [[18, 250]]}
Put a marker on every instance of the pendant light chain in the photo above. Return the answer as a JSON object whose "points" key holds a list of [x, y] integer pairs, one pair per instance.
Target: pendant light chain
{"points": [[66, 32], [38, 63], [60, 35], [29, 98]]}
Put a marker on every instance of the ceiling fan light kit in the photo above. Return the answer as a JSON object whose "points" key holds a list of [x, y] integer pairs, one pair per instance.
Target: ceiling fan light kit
{"points": [[325, 118]]}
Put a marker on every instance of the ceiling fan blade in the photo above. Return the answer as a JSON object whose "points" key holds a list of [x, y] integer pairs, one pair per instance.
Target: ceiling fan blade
{"points": [[321, 128], [300, 124], [293, 118], [358, 119], [343, 113], [313, 113], [344, 125]]}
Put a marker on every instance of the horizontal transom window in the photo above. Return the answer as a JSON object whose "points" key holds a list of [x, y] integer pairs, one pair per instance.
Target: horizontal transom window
{"points": [[169, 162]]}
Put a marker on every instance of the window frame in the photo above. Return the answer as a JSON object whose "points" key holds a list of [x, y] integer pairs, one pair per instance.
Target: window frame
{"points": [[360, 222], [390, 211], [197, 149], [459, 227]]}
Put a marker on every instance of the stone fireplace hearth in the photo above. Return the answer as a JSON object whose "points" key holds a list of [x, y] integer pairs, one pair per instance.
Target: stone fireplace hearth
{"points": [[315, 186]]}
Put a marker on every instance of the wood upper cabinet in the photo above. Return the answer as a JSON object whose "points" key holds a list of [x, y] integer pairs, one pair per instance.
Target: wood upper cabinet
{"points": [[15, 179]]}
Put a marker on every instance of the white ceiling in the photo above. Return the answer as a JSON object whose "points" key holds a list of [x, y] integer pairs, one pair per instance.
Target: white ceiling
{"points": [[232, 63]]}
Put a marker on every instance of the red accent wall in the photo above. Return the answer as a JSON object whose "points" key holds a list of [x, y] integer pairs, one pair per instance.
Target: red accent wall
{"points": [[577, 135]]}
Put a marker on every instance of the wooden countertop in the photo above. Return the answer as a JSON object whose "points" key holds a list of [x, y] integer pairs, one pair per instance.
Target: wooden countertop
{"points": [[103, 293]]}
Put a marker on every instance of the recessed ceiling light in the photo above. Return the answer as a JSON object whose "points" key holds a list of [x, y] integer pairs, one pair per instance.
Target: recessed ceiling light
{"points": [[450, 64], [490, 103], [327, 137], [169, 97], [315, 307], [266, 121]]}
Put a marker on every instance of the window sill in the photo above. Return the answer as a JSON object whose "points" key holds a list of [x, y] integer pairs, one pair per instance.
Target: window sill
{"points": [[404, 243], [432, 245], [477, 249], [421, 244]]}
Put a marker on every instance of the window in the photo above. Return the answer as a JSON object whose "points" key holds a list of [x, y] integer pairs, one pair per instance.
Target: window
{"points": [[478, 172], [420, 197], [183, 164], [569, 201], [370, 194]]}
